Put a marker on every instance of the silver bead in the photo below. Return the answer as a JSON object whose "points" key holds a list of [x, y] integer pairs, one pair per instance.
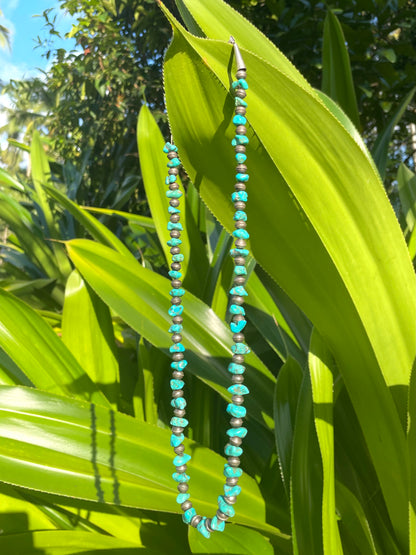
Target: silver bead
{"points": [[182, 468], [240, 260], [179, 449], [176, 265], [186, 505], [240, 280], [177, 374], [176, 393], [238, 317], [196, 520], [180, 413], [240, 110], [238, 337], [237, 300], [233, 461], [175, 250], [237, 399], [233, 481], [176, 338], [239, 205], [237, 378], [175, 233], [174, 186], [240, 186], [221, 515], [239, 359], [241, 93], [231, 499], [174, 218], [176, 283], [241, 168], [236, 441], [208, 525], [171, 155], [240, 243], [240, 224], [236, 422], [174, 202], [241, 74], [176, 300], [173, 171], [241, 130], [178, 356], [182, 487], [177, 319], [177, 430], [240, 148]]}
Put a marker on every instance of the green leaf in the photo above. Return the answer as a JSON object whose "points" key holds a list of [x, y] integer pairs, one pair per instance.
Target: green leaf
{"points": [[75, 449], [143, 221], [87, 331], [10, 181], [234, 539], [336, 69], [322, 380], [411, 443], [407, 191]]}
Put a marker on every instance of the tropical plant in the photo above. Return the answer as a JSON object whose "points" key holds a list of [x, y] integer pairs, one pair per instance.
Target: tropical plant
{"points": [[329, 459]]}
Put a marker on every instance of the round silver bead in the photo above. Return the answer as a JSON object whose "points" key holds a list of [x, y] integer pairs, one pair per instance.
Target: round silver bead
{"points": [[177, 374], [239, 359], [239, 205], [240, 186], [176, 300], [174, 186], [177, 430], [241, 130], [240, 110], [240, 280], [179, 449], [178, 356], [175, 234], [177, 319], [182, 487], [176, 338], [237, 300], [238, 317], [208, 525], [175, 250], [240, 224], [231, 499], [174, 202], [176, 393], [238, 337], [241, 93], [237, 399], [172, 154], [241, 74], [236, 422], [240, 148], [186, 505], [240, 243], [237, 378], [174, 218], [196, 520], [176, 283], [233, 461], [233, 481], [221, 515], [240, 260], [236, 441], [175, 265], [180, 413], [182, 468], [241, 168], [173, 171]]}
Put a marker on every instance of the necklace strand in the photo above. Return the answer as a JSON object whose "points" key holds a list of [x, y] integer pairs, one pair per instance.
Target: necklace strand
{"points": [[235, 409]]}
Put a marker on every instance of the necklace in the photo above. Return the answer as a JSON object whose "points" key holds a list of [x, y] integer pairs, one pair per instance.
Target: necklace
{"points": [[236, 368]]}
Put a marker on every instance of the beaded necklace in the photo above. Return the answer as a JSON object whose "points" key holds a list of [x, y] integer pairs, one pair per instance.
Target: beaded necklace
{"points": [[235, 409]]}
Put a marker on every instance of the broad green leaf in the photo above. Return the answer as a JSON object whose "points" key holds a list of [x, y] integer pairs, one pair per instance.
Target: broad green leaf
{"points": [[412, 244], [10, 181], [381, 146], [141, 298], [407, 191], [336, 68], [75, 449], [87, 331], [143, 221], [411, 444], [339, 268], [286, 398], [234, 539], [145, 401], [34, 347], [10, 373], [322, 380]]}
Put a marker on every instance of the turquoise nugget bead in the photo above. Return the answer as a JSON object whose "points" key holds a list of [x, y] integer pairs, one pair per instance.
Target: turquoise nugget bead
{"points": [[173, 210], [235, 368], [240, 270], [241, 234], [177, 348], [217, 524], [231, 491], [170, 148], [237, 432], [176, 384], [239, 252], [174, 194], [237, 309], [176, 440], [236, 410], [180, 422], [177, 292], [239, 195], [182, 497], [178, 403], [239, 120], [239, 290], [179, 364], [240, 215], [180, 477], [242, 177], [241, 157], [240, 349], [188, 515], [202, 528], [238, 389], [236, 327], [174, 163], [177, 225], [224, 507], [240, 84], [233, 451], [179, 460], [232, 472], [170, 179], [240, 140], [178, 258], [176, 328], [174, 274], [240, 102], [174, 242]]}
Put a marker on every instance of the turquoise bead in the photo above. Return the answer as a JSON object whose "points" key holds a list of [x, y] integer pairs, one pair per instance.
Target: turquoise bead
{"points": [[240, 270], [176, 225], [170, 148], [237, 309], [176, 328], [202, 528], [217, 524], [236, 327], [178, 403], [176, 384], [179, 364], [237, 432], [240, 84], [238, 389], [174, 242], [178, 258], [174, 274], [232, 472], [177, 292], [240, 102], [173, 210], [236, 410], [176, 440], [174, 194], [224, 507], [239, 120], [175, 310], [239, 290], [240, 349], [182, 497], [180, 422], [174, 163], [239, 195], [235, 368], [188, 515], [242, 177], [240, 140], [240, 215], [180, 477], [177, 348], [233, 451], [241, 234], [240, 157], [170, 179], [239, 252], [231, 491], [179, 460]]}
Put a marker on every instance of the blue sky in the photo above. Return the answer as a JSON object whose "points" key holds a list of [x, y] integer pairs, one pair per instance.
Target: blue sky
{"points": [[23, 59]]}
